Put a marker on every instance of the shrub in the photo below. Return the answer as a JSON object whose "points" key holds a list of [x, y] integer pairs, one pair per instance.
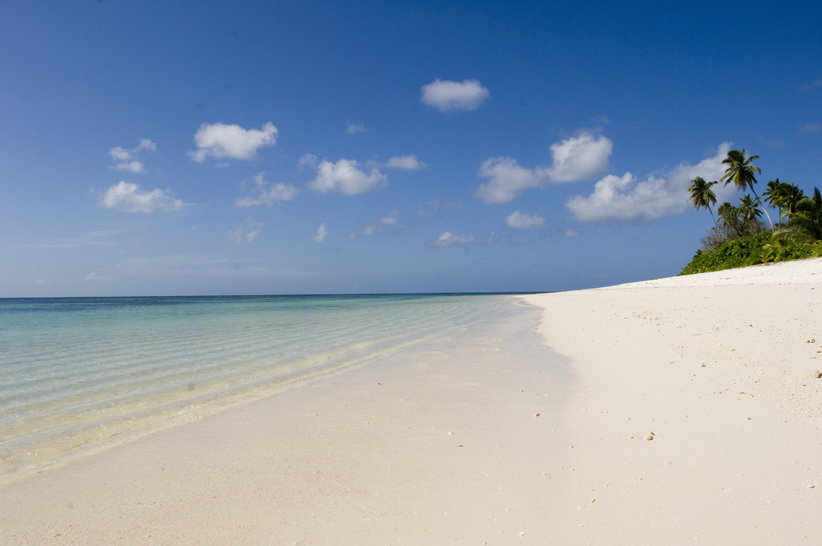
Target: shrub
{"points": [[750, 251]]}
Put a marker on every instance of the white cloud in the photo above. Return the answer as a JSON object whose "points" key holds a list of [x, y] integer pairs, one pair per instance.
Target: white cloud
{"points": [[451, 239], [93, 276], [308, 160], [449, 95], [523, 220], [370, 228], [126, 160], [406, 162], [574, 159], [579, 158], [249, 233], [354, 128], [346, 176], [490, 240], [220, 140], [507, 179], [627, 199], [264, 194], [319, 235], [235, 236], [811, 127], [127, 197]]}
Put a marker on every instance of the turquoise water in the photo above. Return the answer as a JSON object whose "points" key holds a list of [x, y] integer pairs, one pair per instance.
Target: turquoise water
{"points": [[80, 374]]}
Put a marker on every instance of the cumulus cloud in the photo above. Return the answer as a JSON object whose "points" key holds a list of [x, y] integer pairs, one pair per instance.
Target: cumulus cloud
{"points": [[450, 239], [579, 158], [220, 140], [354, 128], [126, 160], [249, 232], [631, 200], [308, 160], [406, 162], [523, 220], [506, 180], [266, 194], [127, 197], [347, 177], [319, 235], [449, 95], [574, 159]]}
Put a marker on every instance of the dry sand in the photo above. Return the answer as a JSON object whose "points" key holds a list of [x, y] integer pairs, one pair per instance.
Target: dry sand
{"points": [[498, 436]]}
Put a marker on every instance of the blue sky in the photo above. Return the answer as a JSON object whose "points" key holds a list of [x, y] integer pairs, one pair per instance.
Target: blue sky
{"points": [[156, 148]]}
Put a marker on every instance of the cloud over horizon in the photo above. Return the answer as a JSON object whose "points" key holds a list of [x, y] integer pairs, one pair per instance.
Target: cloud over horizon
{"points": [[219, 140], [250, 232], [447, 239], [127, 197], [450, 95], [627, 199]]}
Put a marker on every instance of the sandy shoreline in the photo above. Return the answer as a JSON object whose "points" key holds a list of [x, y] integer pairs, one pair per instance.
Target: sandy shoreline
{"points": [[366, 457]]}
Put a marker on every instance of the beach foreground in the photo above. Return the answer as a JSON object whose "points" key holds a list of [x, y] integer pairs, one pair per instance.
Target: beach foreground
{"points": [[530, 428]]}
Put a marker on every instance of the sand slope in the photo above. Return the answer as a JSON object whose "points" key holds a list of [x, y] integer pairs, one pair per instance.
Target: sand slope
{"points": [[716, 366]]}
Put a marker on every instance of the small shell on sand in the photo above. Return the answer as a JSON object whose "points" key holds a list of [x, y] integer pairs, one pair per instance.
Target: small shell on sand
{"points": [[650, 436], [816, 374], [536, 415]]}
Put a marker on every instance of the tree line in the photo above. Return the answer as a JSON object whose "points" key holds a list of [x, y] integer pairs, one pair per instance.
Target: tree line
{"points": [[800, 216]]}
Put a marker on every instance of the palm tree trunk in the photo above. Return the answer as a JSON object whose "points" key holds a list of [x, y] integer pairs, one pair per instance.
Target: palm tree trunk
{"points": [[759, 202], [712, 218]]}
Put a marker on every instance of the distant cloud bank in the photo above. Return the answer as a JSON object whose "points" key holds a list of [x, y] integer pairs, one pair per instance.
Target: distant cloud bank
{"points": [[450, 239]]}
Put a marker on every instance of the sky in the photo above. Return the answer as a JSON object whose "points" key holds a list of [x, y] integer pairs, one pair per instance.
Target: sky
{"points": [[209, 148]]}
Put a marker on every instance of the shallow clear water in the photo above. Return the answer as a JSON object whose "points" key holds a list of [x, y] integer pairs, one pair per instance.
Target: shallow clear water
{"points": [[80, 374]]}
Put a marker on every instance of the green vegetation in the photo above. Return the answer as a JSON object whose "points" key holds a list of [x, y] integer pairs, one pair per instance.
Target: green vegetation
{"points": [[740, 238], [754, 250]]}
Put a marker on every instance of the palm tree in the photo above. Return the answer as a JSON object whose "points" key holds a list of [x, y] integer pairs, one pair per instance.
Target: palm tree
{"points": [[729, 216], [741, 173], [783, 196], [747, 209], [702, 195], [775, 195], [793, 195], [808, 216]]}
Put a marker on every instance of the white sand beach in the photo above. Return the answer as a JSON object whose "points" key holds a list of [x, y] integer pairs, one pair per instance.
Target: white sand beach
{"points": [[526, 431]]}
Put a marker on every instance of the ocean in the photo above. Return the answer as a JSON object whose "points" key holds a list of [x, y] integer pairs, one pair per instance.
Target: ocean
{"points": [[78, 375]]}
